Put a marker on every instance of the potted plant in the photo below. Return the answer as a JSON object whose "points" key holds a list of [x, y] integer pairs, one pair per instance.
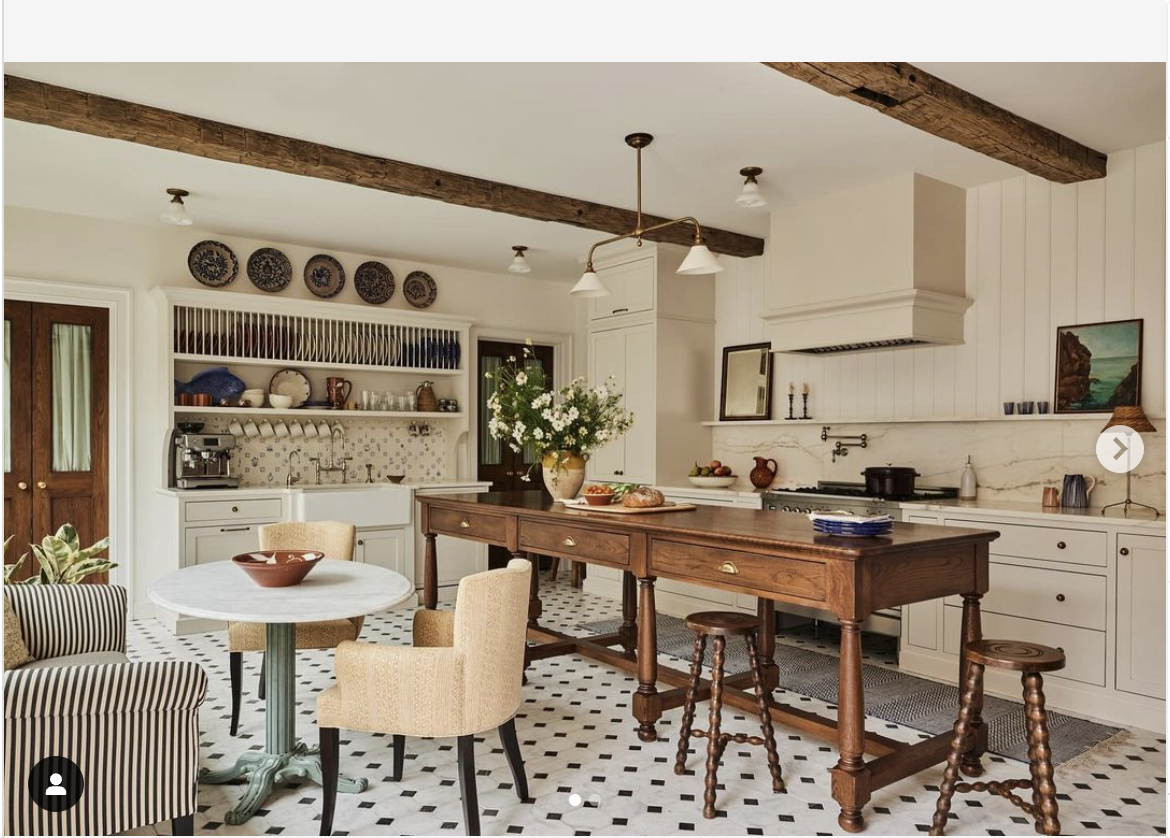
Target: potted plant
{"points": [[563, 426], [62, 559]]}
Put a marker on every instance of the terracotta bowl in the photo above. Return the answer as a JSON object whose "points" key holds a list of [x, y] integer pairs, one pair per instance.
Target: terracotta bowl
{"points": [[278, 568], [599, 500]]}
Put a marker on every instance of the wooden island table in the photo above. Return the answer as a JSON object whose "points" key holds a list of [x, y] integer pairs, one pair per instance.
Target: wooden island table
{"points": [[773, 557]]}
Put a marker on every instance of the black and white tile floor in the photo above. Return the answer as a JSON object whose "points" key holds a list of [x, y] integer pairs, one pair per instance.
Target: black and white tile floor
{"points": [[579, 745]]}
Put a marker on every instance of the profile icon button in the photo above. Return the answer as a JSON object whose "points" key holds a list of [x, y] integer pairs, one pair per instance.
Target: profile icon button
{"points": [[56, 784]]}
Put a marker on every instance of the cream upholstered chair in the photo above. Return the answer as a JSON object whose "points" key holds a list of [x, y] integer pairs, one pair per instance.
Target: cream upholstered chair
{"points": [[461, 678], [336, 541]]}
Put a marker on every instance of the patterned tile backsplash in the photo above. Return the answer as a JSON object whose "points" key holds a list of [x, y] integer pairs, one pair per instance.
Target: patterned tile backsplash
{"points": [[388, 446]]}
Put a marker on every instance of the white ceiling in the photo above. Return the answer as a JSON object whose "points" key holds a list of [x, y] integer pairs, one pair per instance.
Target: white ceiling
{"points": [[555, 127]]}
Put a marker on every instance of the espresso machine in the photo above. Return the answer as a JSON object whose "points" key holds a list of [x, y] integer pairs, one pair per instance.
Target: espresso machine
{"points": [[202, 461]]}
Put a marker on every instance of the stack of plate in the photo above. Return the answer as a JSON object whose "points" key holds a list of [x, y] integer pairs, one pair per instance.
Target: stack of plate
{"points": [[850, 525]]}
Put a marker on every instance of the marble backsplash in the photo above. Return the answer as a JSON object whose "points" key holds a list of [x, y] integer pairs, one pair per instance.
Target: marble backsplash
{"points": [[388, 446], [1014, 460]]}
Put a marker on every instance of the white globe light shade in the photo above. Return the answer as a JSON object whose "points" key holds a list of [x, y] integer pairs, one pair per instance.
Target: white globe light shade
{"points": [[519, 265], [176, 213], [590, 285], [751, 197], [699, 260]]}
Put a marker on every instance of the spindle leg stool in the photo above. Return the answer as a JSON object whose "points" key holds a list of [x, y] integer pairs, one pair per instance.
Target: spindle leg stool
{"points": [[1029, 659], [719, 625]]}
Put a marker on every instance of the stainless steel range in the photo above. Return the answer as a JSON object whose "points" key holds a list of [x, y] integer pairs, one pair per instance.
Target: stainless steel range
{"points": [[829, 496]]}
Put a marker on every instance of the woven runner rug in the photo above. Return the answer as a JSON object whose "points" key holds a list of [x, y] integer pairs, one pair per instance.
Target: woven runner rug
{"points": [[890, 695]]}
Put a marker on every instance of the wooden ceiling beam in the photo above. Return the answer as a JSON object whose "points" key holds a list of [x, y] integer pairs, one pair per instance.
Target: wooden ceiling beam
{"points": [[915, 97], [88, 113]]}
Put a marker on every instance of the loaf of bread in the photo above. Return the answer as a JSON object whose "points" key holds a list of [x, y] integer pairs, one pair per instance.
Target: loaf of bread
{"points": [[643, 497]]}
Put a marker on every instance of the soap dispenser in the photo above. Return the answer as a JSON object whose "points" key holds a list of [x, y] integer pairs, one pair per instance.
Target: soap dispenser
{"points": [[968, 485]]}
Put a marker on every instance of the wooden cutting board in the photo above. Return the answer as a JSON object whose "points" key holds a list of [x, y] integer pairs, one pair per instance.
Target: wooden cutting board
{"points": [[618, 509]]}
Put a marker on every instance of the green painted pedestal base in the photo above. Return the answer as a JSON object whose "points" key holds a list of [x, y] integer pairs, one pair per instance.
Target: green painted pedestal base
{"points": [[283, 757]]}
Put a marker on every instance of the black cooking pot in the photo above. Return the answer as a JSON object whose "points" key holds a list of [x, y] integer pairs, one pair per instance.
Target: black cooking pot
{"points": [[890, 481]]}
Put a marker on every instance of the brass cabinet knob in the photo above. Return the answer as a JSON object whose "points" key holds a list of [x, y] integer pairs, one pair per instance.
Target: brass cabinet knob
{"points": [[569, 542], [728, 567], [464, 524], [41, 484], [22, 486]]}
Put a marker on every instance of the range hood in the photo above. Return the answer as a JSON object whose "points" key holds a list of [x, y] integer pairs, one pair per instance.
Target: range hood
{"points": [[877, 267]]}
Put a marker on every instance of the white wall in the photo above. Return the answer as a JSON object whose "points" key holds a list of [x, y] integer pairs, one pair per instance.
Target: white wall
{"points": [[1039, 256], [49, 246]]}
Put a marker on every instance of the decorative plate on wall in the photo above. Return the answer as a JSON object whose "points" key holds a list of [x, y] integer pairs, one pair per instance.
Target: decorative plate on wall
{"points": [[324, 276], [269, 269], [374, 282], [213, 263], [419, 289], [291, 383]]}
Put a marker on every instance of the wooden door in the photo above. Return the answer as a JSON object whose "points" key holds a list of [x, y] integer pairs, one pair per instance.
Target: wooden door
{"points": [[497, 462], [18, 469], [62, 369]]}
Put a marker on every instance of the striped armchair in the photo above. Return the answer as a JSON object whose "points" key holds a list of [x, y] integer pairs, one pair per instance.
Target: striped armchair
{"points": [[132, 728]]}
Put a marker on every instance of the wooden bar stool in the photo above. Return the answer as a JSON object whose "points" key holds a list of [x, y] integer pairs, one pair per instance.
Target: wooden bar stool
{"points": [[1029, 659], [720, 625]]}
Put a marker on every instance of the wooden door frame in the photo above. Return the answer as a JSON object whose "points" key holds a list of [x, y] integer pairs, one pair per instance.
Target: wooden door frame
{"points": [[562, 346], [119, 304]]}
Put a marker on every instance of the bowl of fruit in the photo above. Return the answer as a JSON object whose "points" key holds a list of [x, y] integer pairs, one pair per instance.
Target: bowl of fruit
{"points": [[598, 494], [714, 475]]}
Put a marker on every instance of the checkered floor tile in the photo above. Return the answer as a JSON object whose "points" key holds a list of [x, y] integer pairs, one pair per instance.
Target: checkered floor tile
{"points": [[590, 775]]}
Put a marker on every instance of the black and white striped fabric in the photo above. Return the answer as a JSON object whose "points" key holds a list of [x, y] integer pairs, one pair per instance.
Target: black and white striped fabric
{"points": [[132, 728], [61, 620]]}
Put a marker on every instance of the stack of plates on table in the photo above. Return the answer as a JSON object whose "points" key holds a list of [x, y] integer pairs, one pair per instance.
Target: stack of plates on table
{"points": [[850, 525]]}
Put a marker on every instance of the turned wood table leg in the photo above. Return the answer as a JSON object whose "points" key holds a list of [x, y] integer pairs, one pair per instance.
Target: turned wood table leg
{"points": [[430, 574], [766, 611], [629, 629], [851, 777], [647, 705], [972, 632], [535, 607]]}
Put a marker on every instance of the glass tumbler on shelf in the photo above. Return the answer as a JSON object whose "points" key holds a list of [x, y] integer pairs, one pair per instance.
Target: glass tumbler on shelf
{"points": [[410, 402], [367, 400]]}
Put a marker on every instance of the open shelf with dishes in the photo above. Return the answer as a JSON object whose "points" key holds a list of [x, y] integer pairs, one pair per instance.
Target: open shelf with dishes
{"points": [[183, 410]]}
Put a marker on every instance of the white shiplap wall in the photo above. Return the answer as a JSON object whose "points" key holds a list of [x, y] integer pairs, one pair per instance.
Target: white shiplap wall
{"points": [[1039, 256]]}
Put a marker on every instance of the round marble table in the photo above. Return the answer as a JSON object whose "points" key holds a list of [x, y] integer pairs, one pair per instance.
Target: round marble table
{"points": [[335, 590]]}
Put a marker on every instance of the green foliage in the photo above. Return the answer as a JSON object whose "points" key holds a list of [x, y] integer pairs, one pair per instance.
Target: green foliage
{"points": [[62, 559]]}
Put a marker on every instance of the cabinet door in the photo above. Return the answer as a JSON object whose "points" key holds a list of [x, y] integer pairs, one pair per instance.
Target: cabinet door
{"points": [[1141, 614], [457, 557], [384, 548], [639, 398], [607, 356], [631, 289], [204, 545], [921, 621]]}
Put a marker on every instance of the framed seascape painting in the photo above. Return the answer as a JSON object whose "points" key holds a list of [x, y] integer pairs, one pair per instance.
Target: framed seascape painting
{"points": [[1098, 366]]}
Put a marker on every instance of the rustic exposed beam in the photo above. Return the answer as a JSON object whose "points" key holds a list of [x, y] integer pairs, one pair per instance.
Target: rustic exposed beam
{"points": [[101, 116], [914, 96]]}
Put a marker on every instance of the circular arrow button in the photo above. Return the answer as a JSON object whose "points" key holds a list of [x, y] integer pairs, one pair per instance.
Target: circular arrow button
{"points": [[1120, 449]]}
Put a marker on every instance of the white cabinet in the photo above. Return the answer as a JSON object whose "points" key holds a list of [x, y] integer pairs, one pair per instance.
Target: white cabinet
{"points": [[1141, 614], [628, 355], [631, 289], [921, 624], [382, 547], [204, 545]]}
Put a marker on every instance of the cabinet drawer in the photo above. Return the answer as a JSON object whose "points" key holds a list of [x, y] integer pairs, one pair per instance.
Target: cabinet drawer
{"points": [[767, 574], [575, 542], [251, 509], [205, 545], [1055, 596], [1054, 544], [1084, 649], [469, 525]]}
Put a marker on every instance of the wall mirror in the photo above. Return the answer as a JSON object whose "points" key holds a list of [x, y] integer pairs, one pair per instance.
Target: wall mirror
{"points": [[746, 392]]}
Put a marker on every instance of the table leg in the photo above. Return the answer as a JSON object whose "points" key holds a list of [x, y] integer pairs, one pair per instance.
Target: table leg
{"points": [[283, 757], [973, 632], [430, 573], [766, 611], [647, 707], [535, 607], [629, 629], [851, 776]]}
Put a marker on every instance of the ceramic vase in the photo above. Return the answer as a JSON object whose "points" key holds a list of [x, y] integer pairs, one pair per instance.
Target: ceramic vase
{"points": [[564, 474]]}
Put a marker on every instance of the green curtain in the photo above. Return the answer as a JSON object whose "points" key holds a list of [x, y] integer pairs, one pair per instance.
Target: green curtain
{"points": [[72, 397]]}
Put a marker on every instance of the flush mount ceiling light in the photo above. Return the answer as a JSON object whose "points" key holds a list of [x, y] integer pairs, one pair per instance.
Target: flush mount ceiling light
{"points": [[519, 263], [699, 259], [751, 197], [176, 212]]}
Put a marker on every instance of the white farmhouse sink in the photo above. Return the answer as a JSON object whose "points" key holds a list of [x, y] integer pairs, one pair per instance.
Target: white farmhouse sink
{"points": [[360, 505]]}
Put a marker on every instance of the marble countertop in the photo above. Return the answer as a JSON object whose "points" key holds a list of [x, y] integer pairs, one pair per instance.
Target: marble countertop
{"points": [[1018, 509], [245, 491], [333, 591], [696, 491]]}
